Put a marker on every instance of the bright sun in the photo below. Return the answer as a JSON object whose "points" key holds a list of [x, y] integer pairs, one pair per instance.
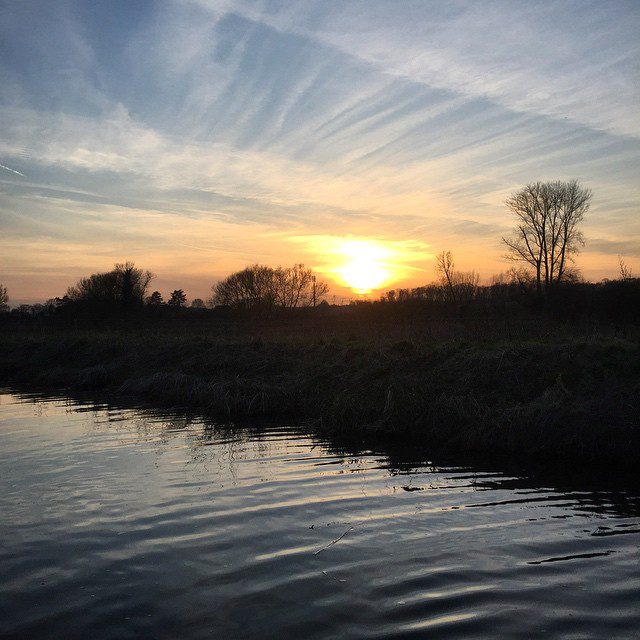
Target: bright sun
{"points": [[365, 264], [365, 267]]}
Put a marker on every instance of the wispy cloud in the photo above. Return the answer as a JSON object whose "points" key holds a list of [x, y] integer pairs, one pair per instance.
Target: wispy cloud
{"points": [[160, 124], [573, 60]]}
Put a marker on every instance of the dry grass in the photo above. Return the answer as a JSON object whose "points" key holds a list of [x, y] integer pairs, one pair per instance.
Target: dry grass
{"points": [[567, 394]]}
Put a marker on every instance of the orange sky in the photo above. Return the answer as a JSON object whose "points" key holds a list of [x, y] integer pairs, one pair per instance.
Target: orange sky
{"points": [[197, 138]]}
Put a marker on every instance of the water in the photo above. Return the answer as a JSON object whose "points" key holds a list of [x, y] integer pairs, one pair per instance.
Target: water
{"points": [[119, 524]]}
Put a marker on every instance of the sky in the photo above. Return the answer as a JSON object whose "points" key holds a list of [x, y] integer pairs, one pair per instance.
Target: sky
{"points": [[196, 137]]}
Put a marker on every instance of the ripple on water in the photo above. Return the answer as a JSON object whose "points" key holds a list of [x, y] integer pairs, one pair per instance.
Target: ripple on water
{"points": [[119, 523]]}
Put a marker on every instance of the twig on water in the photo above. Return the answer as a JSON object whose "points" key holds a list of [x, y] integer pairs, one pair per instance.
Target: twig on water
{"points": [[333, 541], [333, 577]]}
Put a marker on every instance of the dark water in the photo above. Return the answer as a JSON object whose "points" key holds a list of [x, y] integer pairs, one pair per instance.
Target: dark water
{"points": [[117, 524]]}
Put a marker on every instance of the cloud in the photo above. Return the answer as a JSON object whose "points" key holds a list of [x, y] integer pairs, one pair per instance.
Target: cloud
{"points": [[614, 247], [566, 60], [176, 123], [127, 151]]}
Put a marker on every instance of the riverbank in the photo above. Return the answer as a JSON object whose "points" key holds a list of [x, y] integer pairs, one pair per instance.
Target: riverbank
{"points": [[558, 398]]}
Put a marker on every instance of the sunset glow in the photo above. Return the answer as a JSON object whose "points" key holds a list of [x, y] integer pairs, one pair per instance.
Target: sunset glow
{"points": [[365, 267], [269, 267], [181, 136]]}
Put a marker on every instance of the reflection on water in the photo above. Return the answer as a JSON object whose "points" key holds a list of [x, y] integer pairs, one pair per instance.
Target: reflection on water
{"points": [[118, 523]]}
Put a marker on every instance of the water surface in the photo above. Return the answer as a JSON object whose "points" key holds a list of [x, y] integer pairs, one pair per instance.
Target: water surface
{"points": [[118, 523]]}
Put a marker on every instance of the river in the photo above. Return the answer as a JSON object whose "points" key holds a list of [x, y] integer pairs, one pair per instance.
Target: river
{"points": [[125, 523]]}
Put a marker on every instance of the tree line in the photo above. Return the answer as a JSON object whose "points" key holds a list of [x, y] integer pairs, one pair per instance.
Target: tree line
{"points": [[126, 288], [542, 248]]}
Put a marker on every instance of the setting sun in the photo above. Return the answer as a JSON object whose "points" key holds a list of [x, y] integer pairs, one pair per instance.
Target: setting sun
{"points": [[366, 265], [364, 268], [267, 268]]}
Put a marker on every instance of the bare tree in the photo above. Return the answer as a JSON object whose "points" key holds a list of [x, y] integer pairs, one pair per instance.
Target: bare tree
{"points": [[547, 234], [625, 272], [4, 299], [297, 286], [459, 285], [262, 286], [445, 268], [125, 285]]}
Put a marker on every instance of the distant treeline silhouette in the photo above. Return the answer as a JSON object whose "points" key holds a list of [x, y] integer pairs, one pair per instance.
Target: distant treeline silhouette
{"points": [[260, 291], [511, 294], [124, 289], [543, 279]]}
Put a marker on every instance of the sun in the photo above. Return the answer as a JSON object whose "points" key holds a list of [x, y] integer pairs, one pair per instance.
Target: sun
{"points": [[365, 265]]}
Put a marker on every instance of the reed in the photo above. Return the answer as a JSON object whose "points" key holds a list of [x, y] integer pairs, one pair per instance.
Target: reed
{"points": [[557, 398]]}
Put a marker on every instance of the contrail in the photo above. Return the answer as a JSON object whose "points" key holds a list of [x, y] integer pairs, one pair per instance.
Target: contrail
{"points": [[12, 170]]}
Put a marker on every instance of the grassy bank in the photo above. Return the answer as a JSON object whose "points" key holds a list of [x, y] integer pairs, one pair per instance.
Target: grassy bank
{"points": [[558, 397]]}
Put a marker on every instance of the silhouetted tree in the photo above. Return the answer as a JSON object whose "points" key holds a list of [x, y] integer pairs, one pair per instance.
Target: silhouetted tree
{"points": [[445, 270], [460, 286], [4, 299], [625, 271], [547, 234], [124, 286], [297, 286], [245, 289], [177, 299], [155, 299], [133, 283], [265, 287], [197, 303], [52, 305]]}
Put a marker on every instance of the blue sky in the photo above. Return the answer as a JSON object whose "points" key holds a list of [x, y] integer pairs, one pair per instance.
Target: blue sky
{"points": [[198, 137]]}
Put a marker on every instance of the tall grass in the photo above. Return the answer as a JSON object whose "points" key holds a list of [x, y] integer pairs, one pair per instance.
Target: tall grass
{"points": [[554, 392]]}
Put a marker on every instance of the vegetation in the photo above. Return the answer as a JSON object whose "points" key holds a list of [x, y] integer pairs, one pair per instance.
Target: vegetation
{"points": [[537, 363], [547, 234], [513, 295], [626, 273], [155, 299], [4, 299], [125, 287], [457, 286], [263, 287], [471, 387], [178, 298]]}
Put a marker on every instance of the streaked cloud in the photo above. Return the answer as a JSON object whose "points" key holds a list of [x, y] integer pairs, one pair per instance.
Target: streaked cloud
{"points": [[154, 130]]}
